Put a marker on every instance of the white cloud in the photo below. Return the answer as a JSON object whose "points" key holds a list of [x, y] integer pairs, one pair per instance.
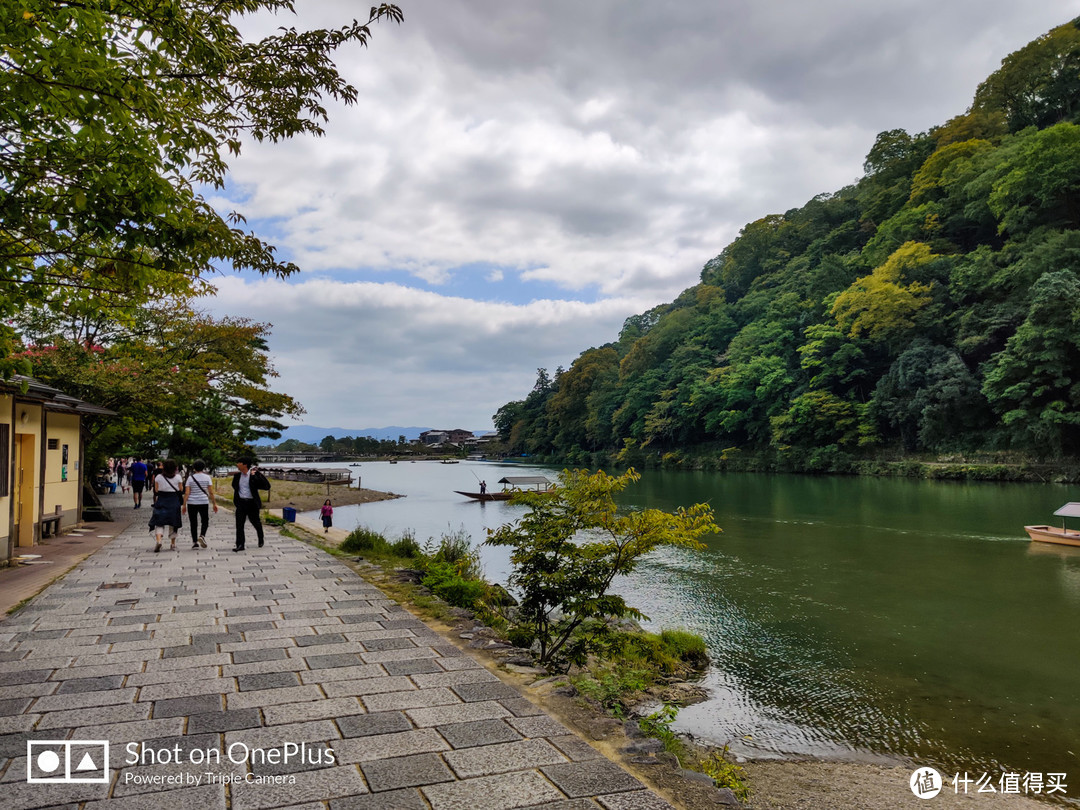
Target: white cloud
{"points": [[603, 149], [365, 354]]}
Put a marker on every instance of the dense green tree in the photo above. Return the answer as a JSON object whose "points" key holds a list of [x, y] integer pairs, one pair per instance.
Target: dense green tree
{"points": [[181, 382], [889, 166], [818, 419], [1035, 382], [1038, 85], [928, 307], [569, 406], [930, 397], [880, 306], [112, 112], [296, 446], [836, 362], [1039, 185]]}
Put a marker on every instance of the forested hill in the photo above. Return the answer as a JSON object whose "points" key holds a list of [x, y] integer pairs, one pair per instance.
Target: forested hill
{"points": [[933, 306]]}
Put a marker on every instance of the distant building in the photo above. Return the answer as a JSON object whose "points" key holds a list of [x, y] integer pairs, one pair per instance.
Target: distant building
{"points": [[437, 437]]}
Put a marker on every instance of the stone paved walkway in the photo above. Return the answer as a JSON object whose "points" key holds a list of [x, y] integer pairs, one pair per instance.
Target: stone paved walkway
{"points": [[275, 677]]}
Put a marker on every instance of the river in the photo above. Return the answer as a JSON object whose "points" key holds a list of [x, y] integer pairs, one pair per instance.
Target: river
{"points": [[846, 617]]}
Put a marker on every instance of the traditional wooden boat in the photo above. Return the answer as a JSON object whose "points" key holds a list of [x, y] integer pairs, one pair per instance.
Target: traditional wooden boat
{"points": [[1052, 534], [512, 485], [486, 496]]}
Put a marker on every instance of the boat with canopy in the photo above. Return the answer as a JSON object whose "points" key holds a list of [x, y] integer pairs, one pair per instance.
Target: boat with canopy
{"points": [[512, 485], [1052, 534]]}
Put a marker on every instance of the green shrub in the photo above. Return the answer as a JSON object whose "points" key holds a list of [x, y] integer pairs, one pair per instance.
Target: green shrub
{"points": [[407, 546], [563, 581], [727, 774], [362, 539], [455, 549], [658, 725], [521, 636], [446, 583]]}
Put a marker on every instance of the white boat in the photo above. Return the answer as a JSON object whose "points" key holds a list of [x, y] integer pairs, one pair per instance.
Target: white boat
{"points": [[1052, 534]]}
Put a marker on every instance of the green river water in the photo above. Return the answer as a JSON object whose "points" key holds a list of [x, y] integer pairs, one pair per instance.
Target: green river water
{"points": [[878, 616], [847, 617]]}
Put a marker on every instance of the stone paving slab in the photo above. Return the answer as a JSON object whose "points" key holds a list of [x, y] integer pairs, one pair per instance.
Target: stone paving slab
{"points": [[271, 678]]}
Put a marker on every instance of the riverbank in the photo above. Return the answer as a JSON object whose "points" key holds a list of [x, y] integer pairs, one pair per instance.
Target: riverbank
{"points": [[775, 785], [861, 786], [305, 497], [1003, 467]]}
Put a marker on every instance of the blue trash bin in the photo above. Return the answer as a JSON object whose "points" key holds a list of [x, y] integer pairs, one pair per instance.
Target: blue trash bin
{"points": [[289, 513]]}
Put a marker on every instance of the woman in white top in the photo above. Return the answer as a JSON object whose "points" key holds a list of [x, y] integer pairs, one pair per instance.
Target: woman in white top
{"points": [[169, 492], [198, 498]]}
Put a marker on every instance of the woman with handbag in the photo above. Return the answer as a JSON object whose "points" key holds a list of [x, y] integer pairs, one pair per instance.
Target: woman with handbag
{"points": [[198, 498], [168, 493]]}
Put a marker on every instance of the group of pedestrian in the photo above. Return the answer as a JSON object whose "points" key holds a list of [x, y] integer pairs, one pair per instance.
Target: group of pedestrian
{"points": [[174, 495]]}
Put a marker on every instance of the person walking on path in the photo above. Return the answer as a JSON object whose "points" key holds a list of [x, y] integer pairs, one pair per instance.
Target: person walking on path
{"points": [[169, 489], [246, 483], [138, 480], [198, 498], [327, 514]]}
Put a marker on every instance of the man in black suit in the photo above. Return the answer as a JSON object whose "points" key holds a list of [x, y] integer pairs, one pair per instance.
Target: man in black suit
{"points": [[246, 484]]}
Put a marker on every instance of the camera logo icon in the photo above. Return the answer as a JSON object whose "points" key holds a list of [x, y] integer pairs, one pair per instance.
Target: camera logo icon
{"points": [[67, 761]]}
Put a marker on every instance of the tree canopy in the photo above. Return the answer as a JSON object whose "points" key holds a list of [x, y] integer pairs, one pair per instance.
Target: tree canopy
{"points": [[933, 305], [180, 380], [113, 115]]}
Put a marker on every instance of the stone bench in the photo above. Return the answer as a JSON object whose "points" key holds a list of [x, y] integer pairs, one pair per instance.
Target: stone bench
{"points": [[50, 524]]}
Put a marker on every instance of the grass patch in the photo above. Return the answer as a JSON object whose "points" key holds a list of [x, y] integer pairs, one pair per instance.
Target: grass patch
{"points": [[284, 527], [20, 605], [632, 662], [613, 684], [451, 569]]}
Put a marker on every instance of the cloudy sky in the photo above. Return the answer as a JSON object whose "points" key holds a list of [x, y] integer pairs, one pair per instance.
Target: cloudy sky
{"points": [[519, 177]]}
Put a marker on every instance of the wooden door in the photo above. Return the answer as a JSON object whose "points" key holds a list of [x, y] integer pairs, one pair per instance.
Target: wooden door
{"points": [[25, 488]]}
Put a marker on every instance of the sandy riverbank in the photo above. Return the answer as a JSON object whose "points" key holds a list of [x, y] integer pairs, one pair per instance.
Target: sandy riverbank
{"points": [[305, 497], [861, 786]]}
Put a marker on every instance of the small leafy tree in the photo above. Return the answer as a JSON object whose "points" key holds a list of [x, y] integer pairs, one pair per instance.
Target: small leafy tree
{"points": [[570, 547]]}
